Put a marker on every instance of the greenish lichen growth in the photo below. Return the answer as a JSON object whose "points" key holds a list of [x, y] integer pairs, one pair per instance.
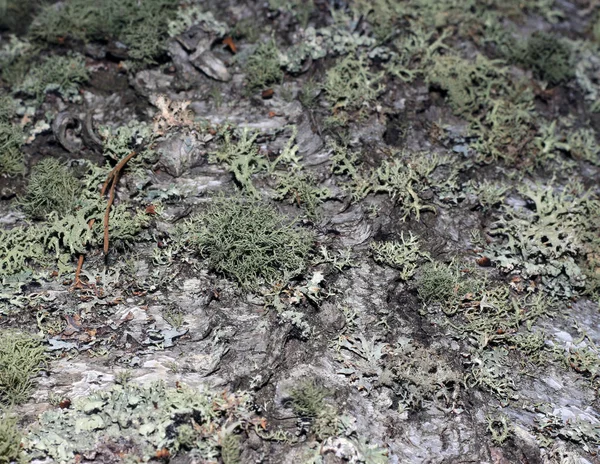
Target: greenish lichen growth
{"points": [[142, 27], [263, 67], [350, 85], [62, 74], [10, 440], [308, 399], [52, 187], [469, 85], [11, 139], [173, 419], [15, 15], [554, 239], [403, 254], [302, 189], [402, 177], [22, 357], [419, 376], [548, 56], [62, 236], [239, 152], [249, 241], [437, 283]]}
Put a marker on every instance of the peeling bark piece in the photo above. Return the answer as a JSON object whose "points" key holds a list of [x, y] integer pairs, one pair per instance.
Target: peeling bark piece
{"points": [[210, 65], [66, 128]]}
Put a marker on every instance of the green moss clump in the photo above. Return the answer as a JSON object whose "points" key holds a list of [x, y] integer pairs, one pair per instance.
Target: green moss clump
{"points": [[263, 67], [21, 359], [63, 74], [547, 56], [250, 241], [10, 441], [351, 85], [52, 187], [142, 26]]}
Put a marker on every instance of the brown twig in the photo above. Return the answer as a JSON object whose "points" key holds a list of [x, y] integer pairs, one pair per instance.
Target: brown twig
{"points": [[111, 199], [112, 179]]}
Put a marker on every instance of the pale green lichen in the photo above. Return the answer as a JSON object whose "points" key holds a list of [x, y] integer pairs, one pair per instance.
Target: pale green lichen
{"points": [[11, 138], [547, 56], [10, 440], [62, 74], [141, 27], [419, 376], [403, 254], [263, 67], [242, 158], [22, 357], [249, 241], [551, 241], [52, 187], [164, 418], [351, 85], [64, 235]]}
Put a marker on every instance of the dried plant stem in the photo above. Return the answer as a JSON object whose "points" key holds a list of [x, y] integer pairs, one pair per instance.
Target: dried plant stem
{"points": [[112, 179]]}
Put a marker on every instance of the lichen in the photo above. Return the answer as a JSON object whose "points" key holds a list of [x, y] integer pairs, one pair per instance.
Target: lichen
{"points": [[63, 74], [10, 440], [550, 241], [141, 27], [162, 416], [52, 188], [351, 85], [249, 241], [547, 56], [21, 358], [11, 140], [403, 254], [263, 67]]}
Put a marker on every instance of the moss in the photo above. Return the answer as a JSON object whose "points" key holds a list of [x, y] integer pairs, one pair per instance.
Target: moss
{"points": [[63, 74], [21, 359], [250, 241], [51, 187], [10, 440], [547, 56], [351, 85], [142, 27], [263, 67]]}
